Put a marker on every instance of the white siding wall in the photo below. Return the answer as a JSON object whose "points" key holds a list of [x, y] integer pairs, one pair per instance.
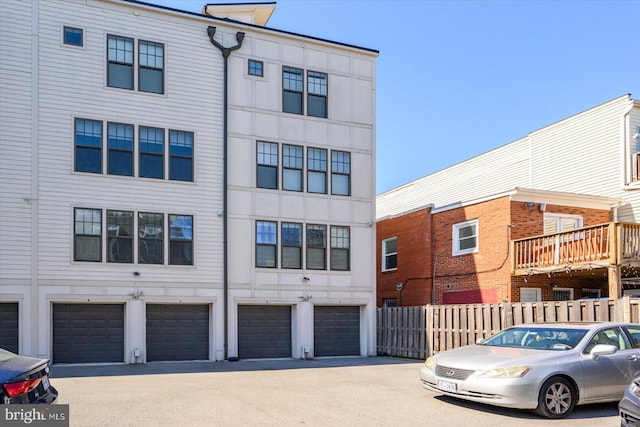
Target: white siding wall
{"points": [[256, 115]]}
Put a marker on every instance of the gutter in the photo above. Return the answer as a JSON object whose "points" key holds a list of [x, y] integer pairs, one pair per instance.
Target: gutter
{"points": [[226, 51]]}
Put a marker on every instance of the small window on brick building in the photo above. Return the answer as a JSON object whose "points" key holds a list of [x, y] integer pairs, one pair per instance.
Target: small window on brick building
{"points": [[389, 302], [390, 254], [465, 237], [562, 294], [591, 293]]}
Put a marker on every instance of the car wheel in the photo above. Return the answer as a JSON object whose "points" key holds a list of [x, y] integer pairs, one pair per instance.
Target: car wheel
{"points": [[557, 398]]}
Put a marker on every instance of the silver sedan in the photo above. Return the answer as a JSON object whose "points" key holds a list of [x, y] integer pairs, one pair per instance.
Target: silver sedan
{"points": [[546, 367]]}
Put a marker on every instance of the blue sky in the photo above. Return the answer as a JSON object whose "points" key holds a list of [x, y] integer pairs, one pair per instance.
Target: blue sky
{"points": [[458, 78]]}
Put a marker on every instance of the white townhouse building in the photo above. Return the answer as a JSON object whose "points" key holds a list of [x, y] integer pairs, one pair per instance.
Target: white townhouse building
{"points": [[182, 186]]}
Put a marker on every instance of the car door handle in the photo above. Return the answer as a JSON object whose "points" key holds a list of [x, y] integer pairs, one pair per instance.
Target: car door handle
{"points": [[633, 358]]}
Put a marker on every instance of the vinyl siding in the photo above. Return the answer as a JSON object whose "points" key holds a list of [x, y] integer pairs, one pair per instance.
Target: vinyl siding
{"points": [[16, 139]]}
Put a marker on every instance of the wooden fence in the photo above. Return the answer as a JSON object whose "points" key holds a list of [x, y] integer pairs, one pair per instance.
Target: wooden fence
{"points": [[417, 332]]}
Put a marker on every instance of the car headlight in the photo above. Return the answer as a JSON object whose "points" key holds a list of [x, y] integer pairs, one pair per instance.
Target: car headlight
{"points": [[430, 363], [635, 389], [515, 372]]}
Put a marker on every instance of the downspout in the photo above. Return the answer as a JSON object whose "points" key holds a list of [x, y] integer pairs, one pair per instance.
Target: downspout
{"points": [[226, 51]]}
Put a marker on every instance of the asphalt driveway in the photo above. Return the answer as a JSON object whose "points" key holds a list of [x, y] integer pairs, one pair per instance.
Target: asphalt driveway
{"points": [[377, 391]]}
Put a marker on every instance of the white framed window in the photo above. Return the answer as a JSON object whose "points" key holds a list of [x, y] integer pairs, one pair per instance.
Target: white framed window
{"points": [[465, 237], [530, 294], [390, 254], [556, 223]]}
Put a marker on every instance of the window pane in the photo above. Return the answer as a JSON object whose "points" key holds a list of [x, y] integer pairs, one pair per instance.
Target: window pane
{"points": [[267, 177], [317, 182], [292, 156], [292, 180], [265, 256], [73, 36], [292, 102], [180, 252], [316, 259], [180, 240], [120, 49], [292, 79], [266, 232], [255, 68], [391, 262], [468, 231], [391, 246], [151, 152], [340, 259], [119, 236], [467, 243], [317, 83], [151, 80], [88, 141], [181, 155], [120, 76], [291, 234], [88, 234], [150, 238], [120, 142], [291, 257], [317, 106], [316, 247], [340, 185]]}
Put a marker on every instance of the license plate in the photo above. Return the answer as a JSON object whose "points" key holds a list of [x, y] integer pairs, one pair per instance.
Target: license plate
{"points": [[45, 383], [447, 386]]}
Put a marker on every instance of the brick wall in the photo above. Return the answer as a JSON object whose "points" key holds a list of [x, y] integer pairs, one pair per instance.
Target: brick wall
{"points": [[413, 232]]}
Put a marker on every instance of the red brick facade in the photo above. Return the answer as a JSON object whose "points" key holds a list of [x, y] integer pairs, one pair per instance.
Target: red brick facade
{"points": [[426, 256]]}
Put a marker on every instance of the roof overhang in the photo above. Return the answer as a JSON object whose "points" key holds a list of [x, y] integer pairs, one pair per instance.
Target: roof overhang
{"points": [[249, 13]]}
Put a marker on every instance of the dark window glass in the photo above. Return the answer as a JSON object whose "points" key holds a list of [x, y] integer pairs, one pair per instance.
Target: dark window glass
{"points": [[150, 238], [151, 67], [317, 96], [292, 90], [390, 254], [88, 235], [73, 36], [88, 141], [181, 155], [267, 160], [151, 152], [292, 167], [120, 62], [120, 236], [266, 243], [181, 240], [340, 247], [316, 247], [291, 245], [255, 68], [317, 170], [120, 142], [340, 173]]}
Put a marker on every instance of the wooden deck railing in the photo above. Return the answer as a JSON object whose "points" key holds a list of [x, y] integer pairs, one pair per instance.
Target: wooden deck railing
{"points": [[588, 247]]}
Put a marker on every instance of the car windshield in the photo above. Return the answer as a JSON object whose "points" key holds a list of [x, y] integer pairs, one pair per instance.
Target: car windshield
{"points": [[6, 355], [537, 338]]}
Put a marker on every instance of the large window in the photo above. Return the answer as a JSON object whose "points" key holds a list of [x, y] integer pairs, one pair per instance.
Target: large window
{"points": [[267, 160], [316, 247], [340, 248], [390, 254], [180, 155], [292, 167], [340, 173], [120, 62], [150, 238], [88, 143], [317, 170], [291, 245], [292, 90], [266, 244], [120, 236], [180, 240], [120, 143], [556, 223], [465, 237], [151, 164], [88, 235], [317, 96], [151, 67]]}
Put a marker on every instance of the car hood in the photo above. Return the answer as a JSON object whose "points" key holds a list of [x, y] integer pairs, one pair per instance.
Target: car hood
{"points": [[16, 366], [483, 357]]}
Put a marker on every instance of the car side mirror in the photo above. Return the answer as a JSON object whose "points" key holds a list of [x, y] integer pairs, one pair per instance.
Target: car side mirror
{"points": [[602, 350], [479, 340]]}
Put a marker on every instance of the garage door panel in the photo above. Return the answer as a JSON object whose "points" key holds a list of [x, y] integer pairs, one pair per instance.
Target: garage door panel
{"points": [[9, 326], [177, 332], [264, 331], [336, 331], [88, 333]]}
